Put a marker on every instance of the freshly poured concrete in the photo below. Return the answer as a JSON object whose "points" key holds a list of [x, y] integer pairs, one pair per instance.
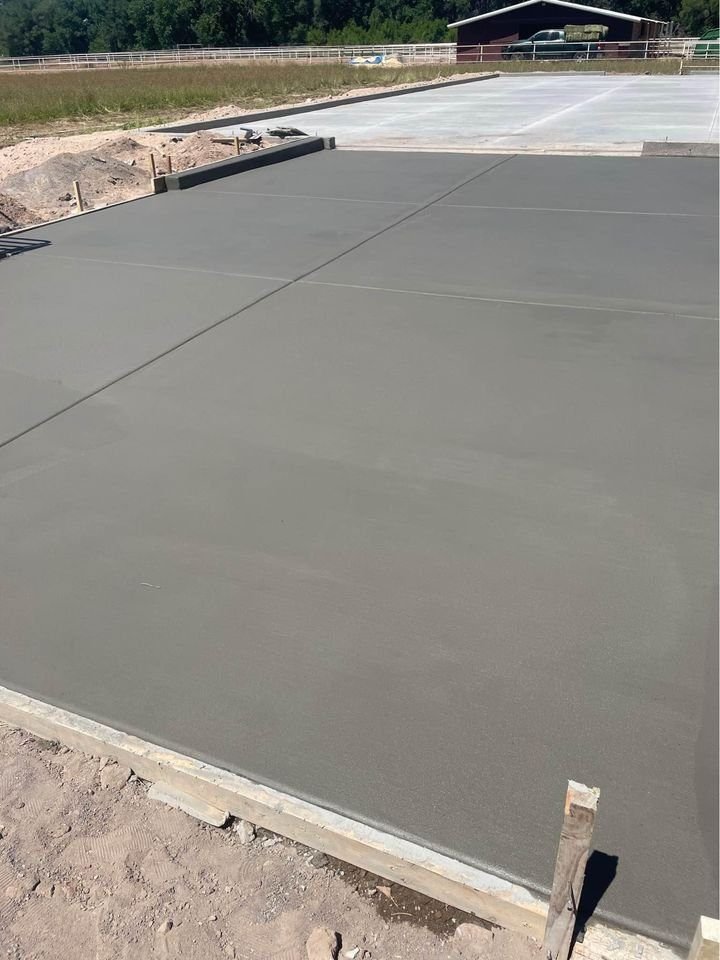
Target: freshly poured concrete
{"points": [[420, 556], [529, 112]]}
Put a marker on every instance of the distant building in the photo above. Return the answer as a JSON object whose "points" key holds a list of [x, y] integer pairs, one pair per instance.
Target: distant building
{"points": [[521, 20]]}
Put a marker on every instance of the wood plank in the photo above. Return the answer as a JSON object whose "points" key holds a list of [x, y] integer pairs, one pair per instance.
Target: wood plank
{"points": [[706, 943], [573, 851]]}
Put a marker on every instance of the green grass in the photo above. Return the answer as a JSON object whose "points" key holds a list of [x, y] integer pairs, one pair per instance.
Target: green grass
{"points": [[45, 97]]}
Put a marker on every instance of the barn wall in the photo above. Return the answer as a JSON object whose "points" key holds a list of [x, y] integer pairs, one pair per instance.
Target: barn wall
{"points": [[518, 25]]}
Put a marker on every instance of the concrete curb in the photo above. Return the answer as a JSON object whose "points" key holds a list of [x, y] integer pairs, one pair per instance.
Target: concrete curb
{"points": [[311, 107], [663, 148], [245, 161]]}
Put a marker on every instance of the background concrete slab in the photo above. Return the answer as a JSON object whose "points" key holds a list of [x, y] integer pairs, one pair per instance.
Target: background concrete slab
{"points": [[529, 112], [419, 558]]}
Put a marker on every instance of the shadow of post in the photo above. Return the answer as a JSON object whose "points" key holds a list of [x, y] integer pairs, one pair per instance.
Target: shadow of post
{"points": [[599, 874]]}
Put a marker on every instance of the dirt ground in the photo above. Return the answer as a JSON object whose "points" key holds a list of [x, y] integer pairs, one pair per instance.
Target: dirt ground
{"points": [[91, 869], [36, 175]]}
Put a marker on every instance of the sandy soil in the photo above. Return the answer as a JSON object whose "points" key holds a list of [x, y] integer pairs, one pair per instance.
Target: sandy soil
{"points": [[36, 176], [91, 869]]}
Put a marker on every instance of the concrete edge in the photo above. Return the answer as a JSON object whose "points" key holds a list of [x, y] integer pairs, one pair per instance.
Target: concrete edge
{"points": [[467, 888], [491, 898], [421, 147], [664, 148], [194, 126], [244, 161]]}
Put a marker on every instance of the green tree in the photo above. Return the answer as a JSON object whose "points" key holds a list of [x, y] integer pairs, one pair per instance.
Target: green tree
{"points": [[697, 16]]}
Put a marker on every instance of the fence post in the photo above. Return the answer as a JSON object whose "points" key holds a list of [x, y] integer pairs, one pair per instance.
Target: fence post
{"points": [[646, 49], [573, 851]]}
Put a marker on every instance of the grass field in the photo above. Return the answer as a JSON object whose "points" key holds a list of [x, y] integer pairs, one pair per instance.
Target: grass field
{"points": [[42, 97], [132, 97]]}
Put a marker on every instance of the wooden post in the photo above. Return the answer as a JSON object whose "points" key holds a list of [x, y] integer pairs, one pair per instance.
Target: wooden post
{"points": [[237, 145], [706, 942], [169, 164], [78, 196], [573, 851], [153, 172]]}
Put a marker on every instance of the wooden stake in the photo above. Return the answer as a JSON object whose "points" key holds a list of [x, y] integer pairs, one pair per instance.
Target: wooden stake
{"points": [[237, 145], [153, 172], [169, 160], [706, 943], [78, 196], [573, 851]]}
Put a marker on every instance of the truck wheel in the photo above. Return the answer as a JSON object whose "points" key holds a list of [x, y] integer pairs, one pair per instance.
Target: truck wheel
{"points": [[579, 57]]}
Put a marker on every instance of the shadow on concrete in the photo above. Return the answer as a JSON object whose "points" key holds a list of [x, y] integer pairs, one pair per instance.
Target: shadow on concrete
{"points": [[9, 246], [599, 874]]}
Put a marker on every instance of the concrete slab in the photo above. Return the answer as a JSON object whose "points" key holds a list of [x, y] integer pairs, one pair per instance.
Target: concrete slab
{"points": [[106, 319], [221, 232], [416, 558], [598, 185], [546, 256], [365, 175], [530, 112]]}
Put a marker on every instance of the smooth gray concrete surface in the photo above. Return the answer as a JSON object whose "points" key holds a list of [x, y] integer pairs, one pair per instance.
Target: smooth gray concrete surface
{"points": [[419, 558], [105, 319], [222, 232], [529, 112], [366, 175], [546, 256]]}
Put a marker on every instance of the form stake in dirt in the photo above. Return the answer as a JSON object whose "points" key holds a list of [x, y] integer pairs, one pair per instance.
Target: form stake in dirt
{"points": [[169, 164], [153, 172], [78, 196], [237, 145], [573, 851]]}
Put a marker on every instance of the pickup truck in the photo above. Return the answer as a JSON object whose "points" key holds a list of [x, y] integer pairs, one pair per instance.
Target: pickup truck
{"points": [[550, 45]]}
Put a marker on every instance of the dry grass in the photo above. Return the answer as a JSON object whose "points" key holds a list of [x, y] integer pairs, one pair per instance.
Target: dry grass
{"points": [[135, 94]]}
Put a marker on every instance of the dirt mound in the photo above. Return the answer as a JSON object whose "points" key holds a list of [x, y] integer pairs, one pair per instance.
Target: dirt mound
{"points": [[14, 214], [39, 174], [51, 182], [195, 149]]}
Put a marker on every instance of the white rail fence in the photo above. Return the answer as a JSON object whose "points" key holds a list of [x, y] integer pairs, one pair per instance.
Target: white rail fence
{"points": [[407, 53], [440, 53]]}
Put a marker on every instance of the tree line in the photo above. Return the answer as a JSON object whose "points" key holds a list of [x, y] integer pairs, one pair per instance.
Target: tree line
{"points": [[32, 27]]}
